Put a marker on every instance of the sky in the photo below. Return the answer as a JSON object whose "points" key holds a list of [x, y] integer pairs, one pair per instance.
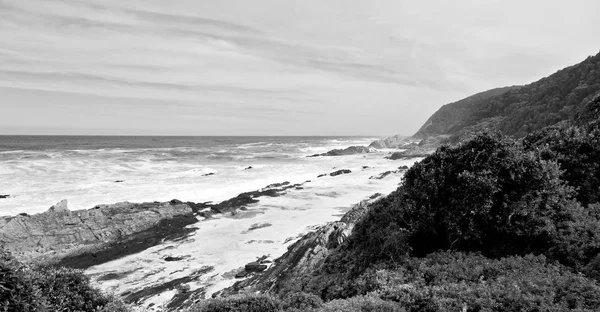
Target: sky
{"points": [[271, 67]]}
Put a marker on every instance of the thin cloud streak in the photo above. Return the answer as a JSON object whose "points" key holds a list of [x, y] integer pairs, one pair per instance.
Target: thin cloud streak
{"points": [[385, 64]]}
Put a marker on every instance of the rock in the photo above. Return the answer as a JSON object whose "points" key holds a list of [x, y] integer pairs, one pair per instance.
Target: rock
{"points": [[365, 167], [205, 214], [183, 288], [61, 206], [257, 226], [4, 196], [248, 168], [322, 175], [241, 274], [119, 181], [175, 202], [405, 167], [352, 150], [278, 184], [169, 258], [337, 173], [83, 238], [375, 195], [243, 208], [255, 267], [208, 174], [382, 175]]}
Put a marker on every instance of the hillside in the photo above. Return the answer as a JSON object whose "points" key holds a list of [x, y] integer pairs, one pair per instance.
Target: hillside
{"points": [[517, 111]]}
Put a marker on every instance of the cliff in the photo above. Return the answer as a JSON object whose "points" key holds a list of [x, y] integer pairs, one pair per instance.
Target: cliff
{"points": [[86, 237]]}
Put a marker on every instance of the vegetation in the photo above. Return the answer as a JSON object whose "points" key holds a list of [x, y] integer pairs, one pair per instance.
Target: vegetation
{"points": [[492, 224], [518, 111], [40, 289]]}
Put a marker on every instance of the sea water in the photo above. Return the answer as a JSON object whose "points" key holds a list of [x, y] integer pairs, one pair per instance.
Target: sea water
{"points": [[38, 171]]}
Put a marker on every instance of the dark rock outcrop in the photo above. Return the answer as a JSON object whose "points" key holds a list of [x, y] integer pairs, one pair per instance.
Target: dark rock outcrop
{"points": [[4, 196], [87, 237], [352, 150], [342, 171]]}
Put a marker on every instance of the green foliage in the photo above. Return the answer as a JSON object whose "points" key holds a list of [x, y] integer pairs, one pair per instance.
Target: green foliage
{"points": [[240, 303], [37, 289]]}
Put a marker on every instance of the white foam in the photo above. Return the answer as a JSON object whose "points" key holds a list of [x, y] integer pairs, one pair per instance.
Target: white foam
{"points": [[225, 242]]}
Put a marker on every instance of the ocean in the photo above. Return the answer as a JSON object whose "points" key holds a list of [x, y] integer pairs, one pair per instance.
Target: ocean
{"points": [[39, 171]]}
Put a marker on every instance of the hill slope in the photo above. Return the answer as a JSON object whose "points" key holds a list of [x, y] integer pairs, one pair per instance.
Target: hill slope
{"points": [[517, 111]]}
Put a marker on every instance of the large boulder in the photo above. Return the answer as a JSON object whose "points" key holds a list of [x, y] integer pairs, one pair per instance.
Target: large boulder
{"points": [[61, 206]]}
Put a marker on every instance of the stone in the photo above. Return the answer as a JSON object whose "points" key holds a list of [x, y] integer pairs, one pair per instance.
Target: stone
{"points": [[61, 206], [83, 238], [255, 267], [241, 274], [175, 202], [337, 173], [169, 259], [119, 181], [4, 196], [208, 174], [352, 150], [248, 168]]}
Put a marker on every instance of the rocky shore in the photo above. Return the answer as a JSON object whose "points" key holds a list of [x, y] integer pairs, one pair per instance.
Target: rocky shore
{"points": [[307, 255], [83, 238]]}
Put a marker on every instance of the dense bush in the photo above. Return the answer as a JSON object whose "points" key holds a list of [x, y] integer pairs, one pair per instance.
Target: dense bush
{"points": [[451, 281], [37, 289], [577, 151], [361, 304], [493, 195], [240, 303], [486, 195]]}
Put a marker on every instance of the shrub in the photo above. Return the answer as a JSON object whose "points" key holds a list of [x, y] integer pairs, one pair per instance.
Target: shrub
{"points": [[240, 303], [451, 281], [486, 195], [361, 304], [25, 288], [577, 151], [302, 301]]}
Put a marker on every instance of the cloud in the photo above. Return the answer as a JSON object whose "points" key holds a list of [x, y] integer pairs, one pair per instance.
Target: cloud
{"points": [[384, 64]]}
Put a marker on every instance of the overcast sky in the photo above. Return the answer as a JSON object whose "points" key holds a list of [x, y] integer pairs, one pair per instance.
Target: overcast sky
{"points": [[271, 67]]}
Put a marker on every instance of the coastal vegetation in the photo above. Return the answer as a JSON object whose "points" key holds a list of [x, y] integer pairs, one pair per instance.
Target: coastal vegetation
{"points": [[491, 224], [26, 288]]}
